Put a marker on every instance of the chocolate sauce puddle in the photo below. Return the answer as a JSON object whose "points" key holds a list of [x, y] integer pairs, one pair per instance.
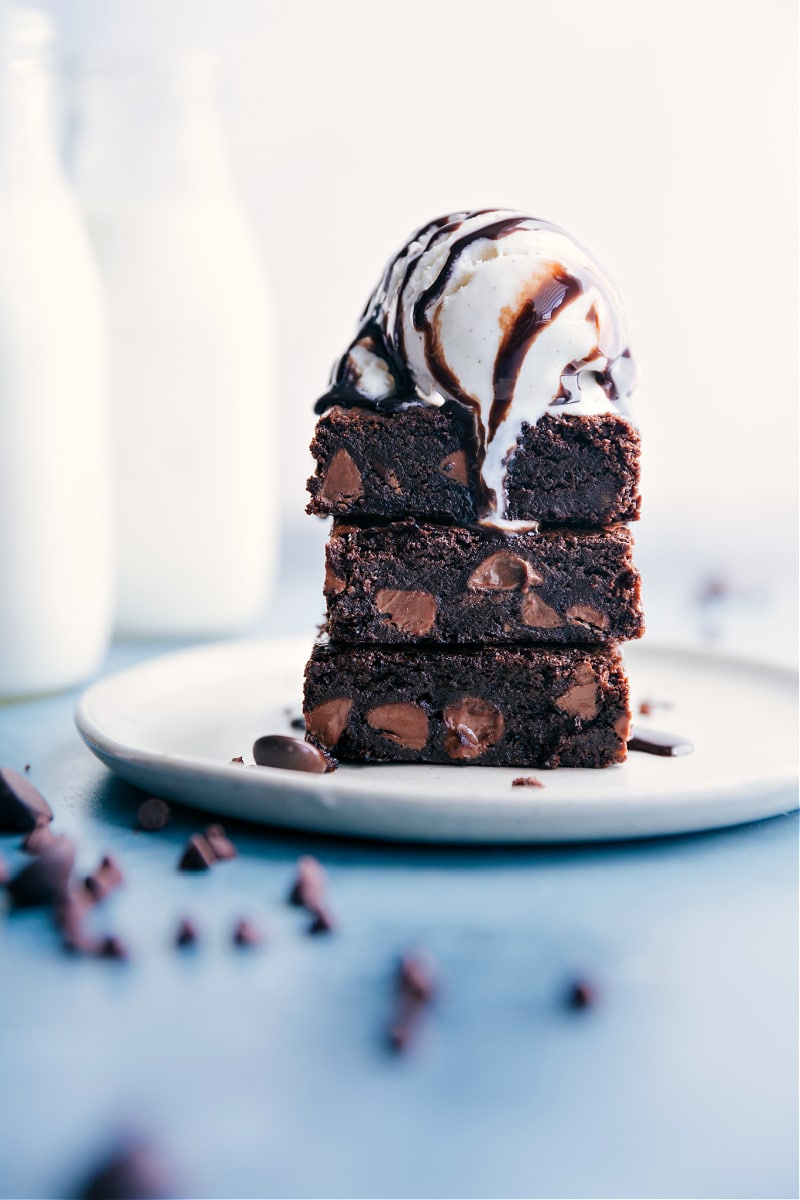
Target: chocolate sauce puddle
{"points": [[652, 741]]}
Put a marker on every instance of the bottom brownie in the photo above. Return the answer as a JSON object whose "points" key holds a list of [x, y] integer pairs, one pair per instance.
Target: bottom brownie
{"points": [[501, 707]]}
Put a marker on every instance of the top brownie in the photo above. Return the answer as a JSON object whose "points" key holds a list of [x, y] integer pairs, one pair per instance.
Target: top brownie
{"points": [[420, 461]]}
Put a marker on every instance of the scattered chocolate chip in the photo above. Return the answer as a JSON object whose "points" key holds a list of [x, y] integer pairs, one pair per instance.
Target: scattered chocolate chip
{"points": [[297, 723], [4, 875], [187, 934], [527, 781], [404, 724], [581, 994], [21, 806], [712, 589], [473, 726], [321, 922], [106, 879], [27, 767], [197, 855], [132, 1173], [327, 722], [153, 814], [40, 839], [649, 706], [308, 889], [112, 947], [246, 934], [289, 754], [221, 845], [408, 612], [645, 708], [70, 912], [415, 990], [45, 881], [238, 761]]}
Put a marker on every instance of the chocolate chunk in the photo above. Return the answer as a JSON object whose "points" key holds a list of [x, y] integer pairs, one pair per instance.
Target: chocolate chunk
{"points": [[404, 724], [153, 814], [297, 723], [308, 889], [581, 993], [289, 754], [455, 467], [473, 726], [112, 947], [70, 912], [415, 988], [40, 839], [45, 881], [584, 614], [503, 572], [197, 855], [581, 699], [187, 933], [322, 922], [333, 584], [328, 721], [622, 726], [246, 934], [527, 781], [342, 484], [106, 879], [410, 612], [132, 1173], [219, 842], [538, 615], [21, 806]]}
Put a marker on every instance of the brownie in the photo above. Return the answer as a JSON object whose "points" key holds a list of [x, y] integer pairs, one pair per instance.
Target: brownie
{"points": [[407, 582], [420, 461], [506, 706]]}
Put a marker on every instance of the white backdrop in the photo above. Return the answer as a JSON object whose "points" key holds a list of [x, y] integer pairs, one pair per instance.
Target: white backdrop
{"points": [[663, 135]]}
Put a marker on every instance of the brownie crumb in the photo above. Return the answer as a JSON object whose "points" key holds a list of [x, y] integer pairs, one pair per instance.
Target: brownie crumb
{"points": [[153, 815], [308, 889], [132, 1173], [581, 994], [197, 855], [246, 934], [221, 845], [527, 781], [648, 706], [112, 947], [40, 839], [237, 762], [21, 806], [187, 934], [415, 989]]}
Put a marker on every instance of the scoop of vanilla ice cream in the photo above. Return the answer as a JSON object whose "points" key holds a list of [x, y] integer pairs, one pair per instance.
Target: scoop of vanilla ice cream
{"points": [[500, 313]]}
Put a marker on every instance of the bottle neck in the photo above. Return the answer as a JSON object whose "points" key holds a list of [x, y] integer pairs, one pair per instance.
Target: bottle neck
{"points": [[28, 149]]}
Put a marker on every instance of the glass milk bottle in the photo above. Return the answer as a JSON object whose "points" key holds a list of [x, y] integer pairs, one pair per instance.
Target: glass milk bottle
{"points": [[55, 554], [191, 351]]}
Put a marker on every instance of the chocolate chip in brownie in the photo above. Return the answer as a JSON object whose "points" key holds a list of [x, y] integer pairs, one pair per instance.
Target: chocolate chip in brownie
{"points": [[289, 754], [327, 722], [342, 483], [503, 572], [333, 584], [410, 612], [454, 466], [473, 726], [580, 700], [404, 724], [21, 805], [584, 614], [153, 814], [197, 855], [538, 615]]}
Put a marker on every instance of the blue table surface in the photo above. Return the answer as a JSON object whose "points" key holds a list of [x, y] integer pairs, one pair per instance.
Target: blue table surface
{"points": [[265, 1073]]}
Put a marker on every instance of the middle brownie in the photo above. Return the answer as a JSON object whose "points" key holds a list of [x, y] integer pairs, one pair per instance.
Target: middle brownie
{"points": [[408, 582]]}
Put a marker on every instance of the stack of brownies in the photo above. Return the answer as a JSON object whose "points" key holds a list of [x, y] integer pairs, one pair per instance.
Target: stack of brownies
{"points": [[477, 453], [451, 641]]}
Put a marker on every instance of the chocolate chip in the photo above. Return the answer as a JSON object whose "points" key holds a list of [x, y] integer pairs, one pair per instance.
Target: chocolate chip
{"points": [[21, 806], [4, 874], [106, 879], [580, 700], [45, 881], [649, 706], [289, 754], [527, 781], [409, 612], [455, 467], [197, 855], [322, 922], [187, 933], [415, 989], [40, 839], [581, 993], [237, 762], [297, 723], [536, 614], [474, 725], [503, 572], [342, 484], [70, 913], [405, 724], [308, 888], [327, 722], [132, 1173], [153, 815], [385, 472], [584, 614], [333, 584], [246, 934], [112, 947], [221, 845]]}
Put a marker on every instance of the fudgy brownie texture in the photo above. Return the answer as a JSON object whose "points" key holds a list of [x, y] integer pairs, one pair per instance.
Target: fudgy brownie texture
{"points": [[407, 582], [420, 461], [504, 706]]}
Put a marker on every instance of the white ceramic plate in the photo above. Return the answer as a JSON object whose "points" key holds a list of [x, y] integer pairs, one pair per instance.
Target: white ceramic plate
{"points": [[171, 726]]}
